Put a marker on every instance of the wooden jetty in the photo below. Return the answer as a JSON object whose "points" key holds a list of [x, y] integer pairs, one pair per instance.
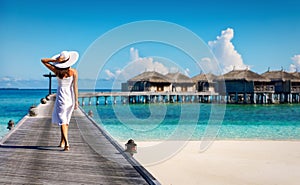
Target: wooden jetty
{"points": [[29, 154], [146, 97]]}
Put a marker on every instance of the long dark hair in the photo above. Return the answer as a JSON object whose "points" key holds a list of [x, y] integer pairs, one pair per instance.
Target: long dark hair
{"points": [[62, 72]]}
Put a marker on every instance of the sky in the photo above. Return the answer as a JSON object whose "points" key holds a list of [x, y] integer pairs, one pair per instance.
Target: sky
{"points": [[240, 34]]}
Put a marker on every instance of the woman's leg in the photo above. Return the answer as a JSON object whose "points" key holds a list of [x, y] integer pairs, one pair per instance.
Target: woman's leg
{"points": [[62, 141], [64, 128]]}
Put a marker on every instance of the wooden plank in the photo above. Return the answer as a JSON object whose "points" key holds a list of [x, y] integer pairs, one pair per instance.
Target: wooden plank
{"points": [[29, 154]]}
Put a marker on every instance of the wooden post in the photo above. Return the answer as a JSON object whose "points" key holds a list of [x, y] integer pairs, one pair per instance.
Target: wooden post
{"points": [[254, 98], [97, 100], [49, 76], [90, 101], [82, 103]]}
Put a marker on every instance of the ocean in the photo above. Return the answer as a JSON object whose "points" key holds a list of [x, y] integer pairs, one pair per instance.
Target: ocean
{"points": [[15, 104], [153, 122]]}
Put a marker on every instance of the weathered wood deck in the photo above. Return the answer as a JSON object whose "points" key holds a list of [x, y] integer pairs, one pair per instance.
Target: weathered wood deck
{"points": [[29, 154]]}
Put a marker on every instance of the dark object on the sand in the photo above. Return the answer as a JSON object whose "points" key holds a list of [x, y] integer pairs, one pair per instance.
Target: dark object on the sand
{"points": [[10, 124], [131, 147]]}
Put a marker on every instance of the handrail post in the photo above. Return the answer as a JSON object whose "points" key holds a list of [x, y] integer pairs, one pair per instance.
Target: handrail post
{"points": [[50, 81]]}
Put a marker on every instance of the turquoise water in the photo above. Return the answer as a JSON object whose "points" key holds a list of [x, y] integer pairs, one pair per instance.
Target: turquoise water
{"points": [[173, 121], [197, 121], [14, 105]]}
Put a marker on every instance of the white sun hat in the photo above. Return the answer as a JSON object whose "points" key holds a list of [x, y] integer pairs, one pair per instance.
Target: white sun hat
{"points": [[70, 58]]}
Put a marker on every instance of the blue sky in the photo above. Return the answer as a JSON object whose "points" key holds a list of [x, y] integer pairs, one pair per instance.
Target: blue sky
{"points": [[255, 34]]}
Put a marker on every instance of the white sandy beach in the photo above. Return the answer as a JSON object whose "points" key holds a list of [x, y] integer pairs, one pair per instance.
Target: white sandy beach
{"points": [[230, 163]]}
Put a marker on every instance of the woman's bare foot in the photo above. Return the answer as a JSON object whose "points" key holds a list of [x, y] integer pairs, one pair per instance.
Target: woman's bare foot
{"points": [[67, 148], [61, 144]]}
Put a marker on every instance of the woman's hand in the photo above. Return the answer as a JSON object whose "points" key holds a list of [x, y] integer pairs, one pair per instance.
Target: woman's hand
{"points": [[59, 59], [76, 105]]}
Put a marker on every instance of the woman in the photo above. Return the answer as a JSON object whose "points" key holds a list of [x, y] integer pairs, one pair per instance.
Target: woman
{"points": [[67, 91]]}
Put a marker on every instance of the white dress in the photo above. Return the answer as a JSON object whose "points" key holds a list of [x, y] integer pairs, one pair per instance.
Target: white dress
{"points": [[64, 102]]}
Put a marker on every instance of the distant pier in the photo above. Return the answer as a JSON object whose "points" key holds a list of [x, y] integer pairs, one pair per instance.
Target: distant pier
{"points": [[97, 98], [143, 97]]}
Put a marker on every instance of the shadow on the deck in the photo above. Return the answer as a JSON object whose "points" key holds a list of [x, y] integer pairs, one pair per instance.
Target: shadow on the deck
{"points": [[55, 148]]}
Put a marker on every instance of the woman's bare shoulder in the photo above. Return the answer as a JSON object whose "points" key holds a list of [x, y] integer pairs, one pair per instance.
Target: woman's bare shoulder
{"points": [[73, 72]]}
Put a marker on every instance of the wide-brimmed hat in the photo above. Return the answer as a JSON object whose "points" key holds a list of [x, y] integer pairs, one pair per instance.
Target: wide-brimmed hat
{"points": [[70, 57]]}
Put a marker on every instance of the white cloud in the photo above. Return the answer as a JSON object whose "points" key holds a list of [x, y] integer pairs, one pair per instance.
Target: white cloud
{"points": [[12, 82], [10, 79], [225, 52], [134, 54], [148, 64], [295, 66], [5, 79], [139, 66], [118, 72], [110, 74], [209, 65], [136, 66], [206, 59], [187, 72]]}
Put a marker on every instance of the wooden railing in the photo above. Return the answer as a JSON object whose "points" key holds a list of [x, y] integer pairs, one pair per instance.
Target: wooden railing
{"points": [[295, 89], [264, 88]]}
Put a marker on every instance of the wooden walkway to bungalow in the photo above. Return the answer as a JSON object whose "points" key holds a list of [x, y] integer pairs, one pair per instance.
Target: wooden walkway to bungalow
{"points": [[29, 154], [146, 97]]}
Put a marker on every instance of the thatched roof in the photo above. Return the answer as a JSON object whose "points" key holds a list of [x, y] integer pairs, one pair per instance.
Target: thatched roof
{"points": [[179, 78], [209, 77], [280, 75], [243, 75], [150, 76], [296, 74]]}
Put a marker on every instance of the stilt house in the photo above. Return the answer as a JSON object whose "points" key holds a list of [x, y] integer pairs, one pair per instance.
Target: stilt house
{"points": [[287, 86], [245, 86]]}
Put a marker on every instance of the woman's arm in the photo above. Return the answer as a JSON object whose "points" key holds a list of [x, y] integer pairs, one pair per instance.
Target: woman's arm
{"points": [[46, 61], [75, 86]]}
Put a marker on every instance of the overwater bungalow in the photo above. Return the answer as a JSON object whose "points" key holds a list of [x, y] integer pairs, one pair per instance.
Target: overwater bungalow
{"points": [[150, 81], [147, 82], [205, 82], [181, 82], [287, 86], [172, 87], [296, 74], [295, 89], [236, 86], [245, 86]]}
